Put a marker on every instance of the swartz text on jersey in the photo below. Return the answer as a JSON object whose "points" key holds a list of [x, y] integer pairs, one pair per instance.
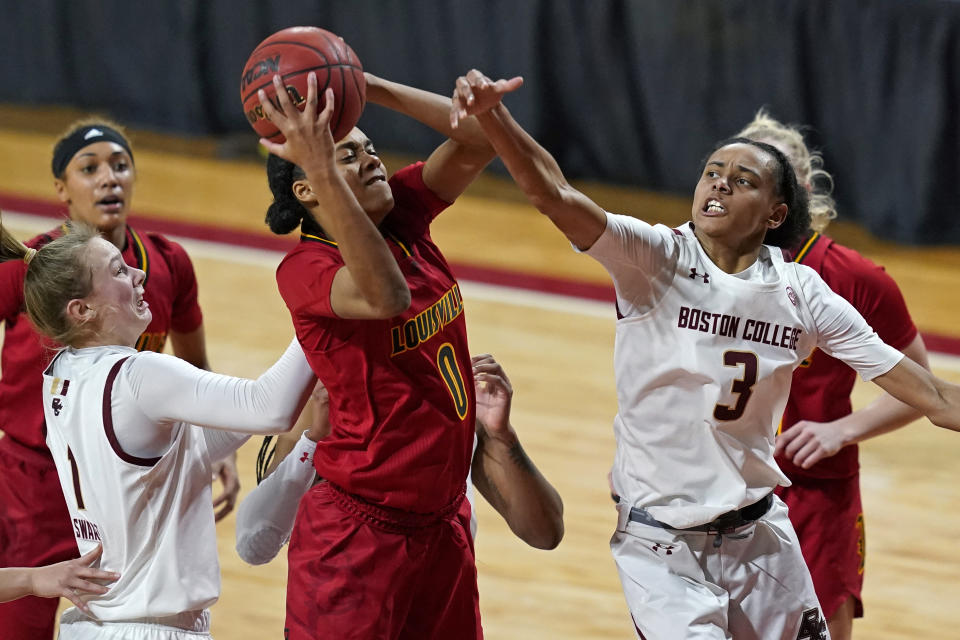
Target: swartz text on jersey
{"points": [[724, 324]]}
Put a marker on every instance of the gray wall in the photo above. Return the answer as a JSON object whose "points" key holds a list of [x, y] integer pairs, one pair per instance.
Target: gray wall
{"points": [[631, 92]]}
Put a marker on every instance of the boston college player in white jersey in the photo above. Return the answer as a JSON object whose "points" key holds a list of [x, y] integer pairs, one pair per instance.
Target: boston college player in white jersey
{"points": [[135, 471], [711, 324]]}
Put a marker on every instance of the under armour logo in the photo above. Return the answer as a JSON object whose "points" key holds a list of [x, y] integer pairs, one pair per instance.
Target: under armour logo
{"points": [[304, 456], [57, 406], [667, 548], [694, 274], [93, 133]]}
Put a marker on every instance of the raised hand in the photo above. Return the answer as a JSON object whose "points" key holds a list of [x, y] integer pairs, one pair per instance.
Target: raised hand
{"points": [[309, 143], [475, 93], [494, 395]]}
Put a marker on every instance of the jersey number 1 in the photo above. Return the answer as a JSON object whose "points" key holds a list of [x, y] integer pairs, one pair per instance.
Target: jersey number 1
{"points": [[76, 478], [743, 387]]}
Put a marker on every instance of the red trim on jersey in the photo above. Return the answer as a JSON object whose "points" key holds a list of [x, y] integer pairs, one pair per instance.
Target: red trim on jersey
{"points": [[108, 421], [635, 626]]}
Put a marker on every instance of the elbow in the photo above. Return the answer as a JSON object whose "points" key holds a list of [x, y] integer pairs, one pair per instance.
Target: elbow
{"points": [[394, 303], [547, 532], [258, 547], [546, 537]]}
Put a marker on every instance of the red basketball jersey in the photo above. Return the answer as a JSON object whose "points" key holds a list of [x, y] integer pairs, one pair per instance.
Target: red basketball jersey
{"points": [[170, 288], [822, 385], [402, 401]]}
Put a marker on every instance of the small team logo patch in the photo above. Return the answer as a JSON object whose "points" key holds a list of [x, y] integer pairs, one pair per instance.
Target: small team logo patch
{"points": [[694, 275], [57, 406], [792, 295]]}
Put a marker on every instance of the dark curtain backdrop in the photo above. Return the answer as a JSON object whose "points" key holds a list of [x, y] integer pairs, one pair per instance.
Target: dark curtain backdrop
{"points": [[626, 91]]}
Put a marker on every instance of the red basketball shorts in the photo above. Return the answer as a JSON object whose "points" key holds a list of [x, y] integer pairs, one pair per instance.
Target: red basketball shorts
{"points": [[828, 517], [34, 530], [360, 572]]}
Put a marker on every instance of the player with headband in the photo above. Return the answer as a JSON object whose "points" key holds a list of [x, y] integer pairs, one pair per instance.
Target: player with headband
{"points": [[94, 176]]}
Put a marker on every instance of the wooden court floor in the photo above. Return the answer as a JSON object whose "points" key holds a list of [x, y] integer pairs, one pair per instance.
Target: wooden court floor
{"points": [[558, 353]]}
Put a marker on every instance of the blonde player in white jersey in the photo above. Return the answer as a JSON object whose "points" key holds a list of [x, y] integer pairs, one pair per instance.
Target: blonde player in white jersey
{"points": [[712, 323], [134, 468]]}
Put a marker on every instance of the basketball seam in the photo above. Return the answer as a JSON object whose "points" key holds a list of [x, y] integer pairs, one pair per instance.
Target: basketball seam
{"points": [[299, 71]]}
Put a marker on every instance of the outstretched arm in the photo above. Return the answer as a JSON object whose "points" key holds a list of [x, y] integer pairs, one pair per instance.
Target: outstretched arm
{"points": [[72, 579], [502, 472], [192, 347], [807, 443], [938, 399], [459, 160], [532, 167]]}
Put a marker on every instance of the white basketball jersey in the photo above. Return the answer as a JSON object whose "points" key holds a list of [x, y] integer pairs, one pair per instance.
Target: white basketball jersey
{"points": [[704, 361], [153, 516]]}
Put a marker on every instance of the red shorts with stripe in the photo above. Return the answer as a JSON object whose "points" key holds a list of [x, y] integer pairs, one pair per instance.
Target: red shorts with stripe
{"points": [[361, 572], [828, 517], [34, 531]]}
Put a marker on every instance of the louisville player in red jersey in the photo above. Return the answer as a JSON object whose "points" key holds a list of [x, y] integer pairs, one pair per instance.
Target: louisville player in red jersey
{"points": [[94, 177], [817, 446], [382, 549]]}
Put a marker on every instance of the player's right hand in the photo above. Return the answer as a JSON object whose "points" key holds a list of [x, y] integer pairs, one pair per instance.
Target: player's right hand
{"points": [[309, 143]]}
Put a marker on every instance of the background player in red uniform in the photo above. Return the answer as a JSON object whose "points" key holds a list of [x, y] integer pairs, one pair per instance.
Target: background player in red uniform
{"points": [[94, 177], [817, 445], [382, 549]]}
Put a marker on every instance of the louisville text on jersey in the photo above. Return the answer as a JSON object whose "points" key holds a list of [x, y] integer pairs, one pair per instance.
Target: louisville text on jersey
{"points": [[426, 324], [730, 326]]}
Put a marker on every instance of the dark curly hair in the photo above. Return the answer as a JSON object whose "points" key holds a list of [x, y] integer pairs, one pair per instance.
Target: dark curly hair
{"points": [[286, 213], [795, 196]]}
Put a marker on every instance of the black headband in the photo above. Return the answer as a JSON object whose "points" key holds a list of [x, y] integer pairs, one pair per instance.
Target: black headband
{"points": [[69, 146]]}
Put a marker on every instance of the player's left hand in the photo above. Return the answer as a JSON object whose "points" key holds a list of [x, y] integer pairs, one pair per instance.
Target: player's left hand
{"points": [[494, 395], [807, 443], [226, 472]]}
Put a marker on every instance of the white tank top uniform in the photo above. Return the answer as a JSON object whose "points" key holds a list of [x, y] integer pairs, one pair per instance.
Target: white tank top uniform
{"points": [[135, 471], [703, 362]]}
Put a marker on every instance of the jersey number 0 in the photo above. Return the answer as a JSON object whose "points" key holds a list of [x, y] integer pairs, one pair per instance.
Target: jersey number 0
{"points": [[453, 378]]}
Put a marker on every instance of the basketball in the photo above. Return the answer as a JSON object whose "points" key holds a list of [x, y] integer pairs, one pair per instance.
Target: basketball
{"points": [[293, 53]]}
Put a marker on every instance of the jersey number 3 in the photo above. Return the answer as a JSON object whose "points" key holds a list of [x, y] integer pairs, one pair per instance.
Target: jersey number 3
{"points": [[450, 372], [742, 386]]}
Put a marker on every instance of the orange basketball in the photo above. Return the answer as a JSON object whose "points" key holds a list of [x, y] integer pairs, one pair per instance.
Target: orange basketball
{"points": [[293, 53]]}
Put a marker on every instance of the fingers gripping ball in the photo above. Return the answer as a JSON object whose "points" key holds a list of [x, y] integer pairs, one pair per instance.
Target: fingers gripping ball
{"points": [[293, 53]]}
